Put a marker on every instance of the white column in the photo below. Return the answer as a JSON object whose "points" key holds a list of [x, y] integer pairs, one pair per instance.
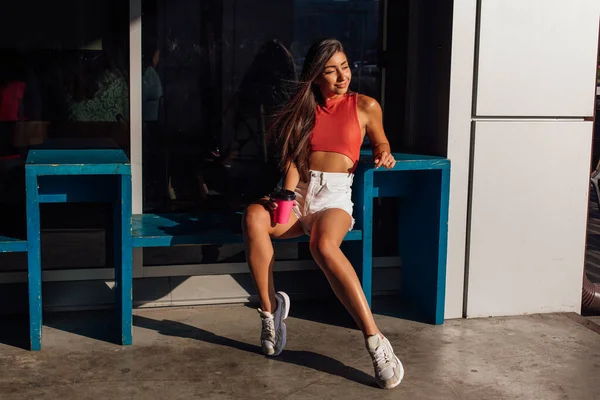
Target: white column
{"points": [[135, 100], [135, 117], [535, 83], [459, 139]]}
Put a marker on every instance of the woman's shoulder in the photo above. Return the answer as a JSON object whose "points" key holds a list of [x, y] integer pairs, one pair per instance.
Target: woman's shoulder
{"points": [[366, 103]]}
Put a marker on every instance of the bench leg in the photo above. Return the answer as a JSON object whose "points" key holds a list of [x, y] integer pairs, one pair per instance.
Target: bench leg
{"points": [[367, 242], [442, 262], [123, 258], [423, 225], [361, 255], [34, 264]]}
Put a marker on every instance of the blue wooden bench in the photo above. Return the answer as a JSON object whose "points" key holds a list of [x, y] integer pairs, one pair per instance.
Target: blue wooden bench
{"points": [[422, 186], [79, 175], [12, 245], [420, 182], [176, 229]]}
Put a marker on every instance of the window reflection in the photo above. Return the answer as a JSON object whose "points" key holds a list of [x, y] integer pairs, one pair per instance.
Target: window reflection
{"points": [[214, 74], [64, 76], [96, 89], [216, 71]]}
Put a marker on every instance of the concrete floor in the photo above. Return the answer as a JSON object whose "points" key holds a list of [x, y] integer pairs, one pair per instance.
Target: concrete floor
{"points": [[214, 353]]}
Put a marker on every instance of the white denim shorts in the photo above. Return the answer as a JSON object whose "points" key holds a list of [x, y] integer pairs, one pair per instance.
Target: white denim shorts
{"points": [[324, 191]]}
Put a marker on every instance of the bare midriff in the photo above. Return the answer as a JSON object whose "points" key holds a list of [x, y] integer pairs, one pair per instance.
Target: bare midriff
{"points": [[327, 161]]}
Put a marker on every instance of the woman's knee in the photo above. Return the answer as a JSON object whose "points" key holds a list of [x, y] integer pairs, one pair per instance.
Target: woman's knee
{"points": [[256, 217], [323, 247]]}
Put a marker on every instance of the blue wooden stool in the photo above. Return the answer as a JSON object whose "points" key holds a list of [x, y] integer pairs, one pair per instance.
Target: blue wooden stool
{"points": [[423, 185], [61, 176]]}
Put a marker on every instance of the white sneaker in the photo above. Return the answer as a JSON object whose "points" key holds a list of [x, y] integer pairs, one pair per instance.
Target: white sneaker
{"points": [[388, 368], [274, 331]]}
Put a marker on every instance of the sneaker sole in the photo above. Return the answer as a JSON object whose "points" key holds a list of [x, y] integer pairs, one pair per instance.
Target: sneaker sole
{"points": [[286, 301], [268, 352], [400, 376], [284, 315], [283, 341]]}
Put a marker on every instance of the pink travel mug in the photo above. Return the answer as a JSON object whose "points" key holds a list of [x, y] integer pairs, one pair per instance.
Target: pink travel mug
{"points": [[285, 201]]}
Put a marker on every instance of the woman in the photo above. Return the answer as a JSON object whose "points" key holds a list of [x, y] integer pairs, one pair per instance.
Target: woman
{"points": [[320, 131]]}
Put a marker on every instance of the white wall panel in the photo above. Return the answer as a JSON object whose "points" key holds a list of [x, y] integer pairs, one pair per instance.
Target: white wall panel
{"points": [[537, 58], [459, 147], [528, 217]]}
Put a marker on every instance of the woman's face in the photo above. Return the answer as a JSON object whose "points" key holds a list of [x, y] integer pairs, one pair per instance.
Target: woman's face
{"points": [[335, 78]]}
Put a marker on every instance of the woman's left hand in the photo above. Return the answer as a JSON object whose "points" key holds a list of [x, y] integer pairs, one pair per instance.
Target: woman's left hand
{"points": [[385, 159]]}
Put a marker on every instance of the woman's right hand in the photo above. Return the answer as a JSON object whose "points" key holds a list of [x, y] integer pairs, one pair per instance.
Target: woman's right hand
{"points": [[268, 204]]}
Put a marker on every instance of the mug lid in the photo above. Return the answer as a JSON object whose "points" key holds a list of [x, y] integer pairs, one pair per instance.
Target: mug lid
{"points": [[283, 194]]}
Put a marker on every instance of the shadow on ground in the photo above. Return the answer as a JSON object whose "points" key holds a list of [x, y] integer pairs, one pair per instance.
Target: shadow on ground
{"points": [[15, 331], [100, 325], [307, 359], [330, 310]]}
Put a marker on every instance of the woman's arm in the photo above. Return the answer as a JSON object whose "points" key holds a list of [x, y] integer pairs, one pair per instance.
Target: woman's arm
{"points": [[371, 110], [292, 177]]}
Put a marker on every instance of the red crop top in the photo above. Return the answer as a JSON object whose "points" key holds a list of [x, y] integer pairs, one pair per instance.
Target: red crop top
{"points": [[337, 128]]}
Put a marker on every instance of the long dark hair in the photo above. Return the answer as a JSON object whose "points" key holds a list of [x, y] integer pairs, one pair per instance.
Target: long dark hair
{"points": [[294, 123]]}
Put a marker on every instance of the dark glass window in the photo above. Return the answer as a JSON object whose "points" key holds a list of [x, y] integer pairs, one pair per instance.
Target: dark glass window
{"points": [[213, 72], [64, 77]]}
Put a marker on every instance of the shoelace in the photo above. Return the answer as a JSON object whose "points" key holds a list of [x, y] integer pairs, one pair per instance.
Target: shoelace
{"points": [[381, 356], [268, 328]]}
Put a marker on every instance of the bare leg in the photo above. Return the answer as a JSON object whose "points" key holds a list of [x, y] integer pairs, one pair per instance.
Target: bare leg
{"points": [[258, 231], [326, 237]]}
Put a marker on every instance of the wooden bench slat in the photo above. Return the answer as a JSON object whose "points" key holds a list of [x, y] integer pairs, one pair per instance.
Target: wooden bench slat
{"points": [[164, 230], [12, 245]]}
